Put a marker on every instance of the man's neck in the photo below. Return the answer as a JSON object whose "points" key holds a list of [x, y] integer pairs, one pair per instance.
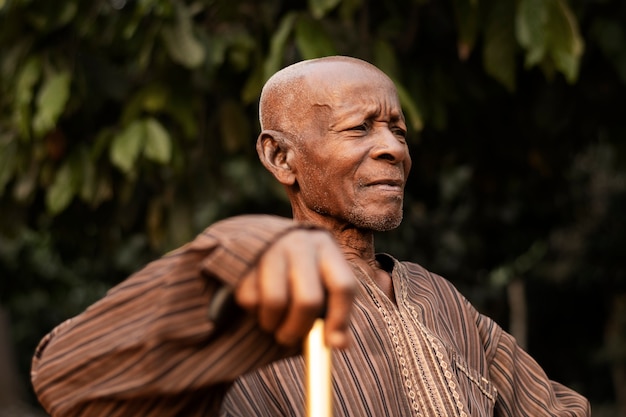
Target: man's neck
{"points": [[355, 242], [357, 245], [358, 248]]}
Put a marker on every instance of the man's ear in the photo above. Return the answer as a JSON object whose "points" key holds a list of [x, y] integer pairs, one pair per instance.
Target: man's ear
{"points": [[276, 153]]}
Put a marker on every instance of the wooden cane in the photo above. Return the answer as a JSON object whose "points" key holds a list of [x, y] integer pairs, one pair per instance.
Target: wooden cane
{"points": [[318, 373]]}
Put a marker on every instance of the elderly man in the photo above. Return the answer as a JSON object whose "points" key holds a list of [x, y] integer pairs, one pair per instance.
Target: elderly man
{"points": [[406, 342]]}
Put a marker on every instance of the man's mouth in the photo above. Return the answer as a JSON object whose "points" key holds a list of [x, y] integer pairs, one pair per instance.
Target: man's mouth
{"points": [[387, 184]]}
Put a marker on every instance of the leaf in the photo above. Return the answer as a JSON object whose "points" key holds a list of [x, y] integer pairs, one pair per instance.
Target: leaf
{"points": [[180, 41], [152, 98], [466, 15], [65, 186], [26, 79], [49, 16], [319, 8], [410, 108], [101, 141], [155, 97], [254, 84], [312, 39], [240, 48], [127, 145], [28, 76], [8, 161], [95, 185], [274, 59], [51, 102], [216, 50], [158, 144], [531, 19], [348, 8], [499, 53], [385, 58], [89, 179], [66, 12], [565, 42]]}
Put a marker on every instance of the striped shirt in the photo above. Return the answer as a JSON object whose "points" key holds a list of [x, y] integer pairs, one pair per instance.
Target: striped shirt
{"points": [[148, 347]]}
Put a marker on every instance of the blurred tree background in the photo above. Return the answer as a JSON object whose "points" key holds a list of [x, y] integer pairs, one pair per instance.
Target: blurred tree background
{"points": [[127, 126]]}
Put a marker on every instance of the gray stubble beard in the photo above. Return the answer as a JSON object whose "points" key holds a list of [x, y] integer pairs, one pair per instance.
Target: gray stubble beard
{"points": [[377, 222]]}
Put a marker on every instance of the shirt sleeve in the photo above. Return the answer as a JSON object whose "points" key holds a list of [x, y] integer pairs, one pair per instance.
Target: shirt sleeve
{"points": [[523, 387], [148, 347]]}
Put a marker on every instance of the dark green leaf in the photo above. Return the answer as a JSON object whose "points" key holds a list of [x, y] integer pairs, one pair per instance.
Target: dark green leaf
{"points": [[410, 108], [66, 184], [274, 59], [531, 20], [252, 88], [8, 161], [385, 58], [24, 89], [158, 144], [127, 145], [155, 98], [466, 14], [181, 42], [51, 102], [565, 42], [312, 39], [89, 178], [499, 53], [319, 8]]}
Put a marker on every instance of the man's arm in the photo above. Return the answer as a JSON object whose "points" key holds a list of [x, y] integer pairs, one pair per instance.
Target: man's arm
{"points": [[523, 386], [149, 348]]}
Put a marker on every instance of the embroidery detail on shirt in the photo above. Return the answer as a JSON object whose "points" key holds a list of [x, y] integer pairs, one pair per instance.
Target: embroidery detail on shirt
{"points": [[455, 362], [444, 375], [417, 400]]}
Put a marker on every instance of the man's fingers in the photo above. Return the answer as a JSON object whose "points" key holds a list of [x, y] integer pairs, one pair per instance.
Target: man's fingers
{"points": [[306, 299], [340, 286], [247, 293], [274, 290], [302, 274]]}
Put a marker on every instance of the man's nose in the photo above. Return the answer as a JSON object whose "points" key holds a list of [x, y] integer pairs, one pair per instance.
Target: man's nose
{"points": [[389, 146]]}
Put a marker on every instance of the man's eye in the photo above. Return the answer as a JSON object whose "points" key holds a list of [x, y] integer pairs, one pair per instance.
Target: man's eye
{"points": [[400, 132], [360, 128]]}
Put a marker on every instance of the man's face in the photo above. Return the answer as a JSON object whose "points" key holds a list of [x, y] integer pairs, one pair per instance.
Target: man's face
{"points": [[352, 156]]}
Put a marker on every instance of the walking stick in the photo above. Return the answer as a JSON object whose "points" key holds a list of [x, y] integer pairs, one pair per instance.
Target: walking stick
{"points": [[318, 376]]}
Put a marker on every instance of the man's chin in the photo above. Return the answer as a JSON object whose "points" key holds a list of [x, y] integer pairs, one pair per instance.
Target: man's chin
{"points": [[382, 223]]}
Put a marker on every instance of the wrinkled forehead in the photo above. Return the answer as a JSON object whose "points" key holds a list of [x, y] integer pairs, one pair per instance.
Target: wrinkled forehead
{"points": [[347, 85], [335, 82]]}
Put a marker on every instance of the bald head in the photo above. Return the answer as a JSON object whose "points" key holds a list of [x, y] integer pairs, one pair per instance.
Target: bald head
{"points": [[289, 96]]}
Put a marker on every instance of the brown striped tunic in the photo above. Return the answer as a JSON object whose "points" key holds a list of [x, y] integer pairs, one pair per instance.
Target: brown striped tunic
{"points": [[148, 348]]}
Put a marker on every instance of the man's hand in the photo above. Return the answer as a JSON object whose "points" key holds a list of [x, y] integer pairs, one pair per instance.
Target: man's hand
{"points": [[300, 276]]}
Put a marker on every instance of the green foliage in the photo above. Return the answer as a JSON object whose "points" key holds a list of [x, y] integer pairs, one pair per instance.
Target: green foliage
{"points": [[144, 136], [174, 52], [319, 8], [549, 33], [182, 44], [51, 102], [546, 31]]}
